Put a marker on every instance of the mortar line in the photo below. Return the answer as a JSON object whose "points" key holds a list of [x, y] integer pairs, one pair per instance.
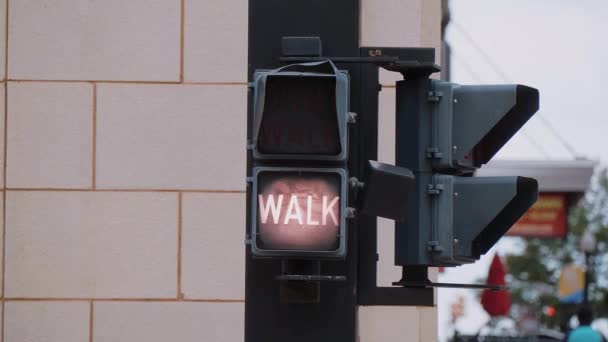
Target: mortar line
{"points": [[127, 190], [181, 41], [91, 326], [94, 145], [180, 294], [74, 299], [130, 82]]}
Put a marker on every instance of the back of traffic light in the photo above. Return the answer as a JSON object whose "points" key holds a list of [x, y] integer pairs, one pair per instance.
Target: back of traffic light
{"points": [[444, 132]]}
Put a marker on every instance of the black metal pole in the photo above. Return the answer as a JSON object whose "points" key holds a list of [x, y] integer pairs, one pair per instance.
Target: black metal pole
{"points": [[332, 316]]}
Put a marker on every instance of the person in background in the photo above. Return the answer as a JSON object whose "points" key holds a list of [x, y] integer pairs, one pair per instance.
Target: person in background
{"points": [[584, 332]]}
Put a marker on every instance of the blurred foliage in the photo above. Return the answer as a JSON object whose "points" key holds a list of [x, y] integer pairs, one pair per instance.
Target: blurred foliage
{"points": [[533, 275]]}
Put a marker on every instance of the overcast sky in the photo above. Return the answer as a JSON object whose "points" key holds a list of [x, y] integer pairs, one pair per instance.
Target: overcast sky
{"points": [[556, 46]]}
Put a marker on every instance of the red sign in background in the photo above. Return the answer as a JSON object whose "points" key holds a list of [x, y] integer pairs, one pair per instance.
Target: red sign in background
{"points": [[547, 218]]}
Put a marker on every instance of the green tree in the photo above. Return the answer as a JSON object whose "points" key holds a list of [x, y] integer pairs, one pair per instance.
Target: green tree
{"points": [[533, 274]]}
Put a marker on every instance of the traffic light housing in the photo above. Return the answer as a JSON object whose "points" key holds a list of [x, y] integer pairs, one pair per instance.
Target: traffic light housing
{"points": [[301, 113], [474, 122], [445, 132], [300, 147]]}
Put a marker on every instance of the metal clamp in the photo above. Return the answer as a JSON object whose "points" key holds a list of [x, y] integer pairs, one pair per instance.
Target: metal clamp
{"points": [[434, 247], [434, 189], [355, 183], [433, 153], [434, 96], [352, 117], [350, 213]]}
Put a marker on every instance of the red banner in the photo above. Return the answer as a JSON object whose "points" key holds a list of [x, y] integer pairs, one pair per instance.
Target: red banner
{"points": [[547, 218]]}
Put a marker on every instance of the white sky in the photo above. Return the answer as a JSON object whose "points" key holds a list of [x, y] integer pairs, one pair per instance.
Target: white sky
{"points": [[556, 46]]}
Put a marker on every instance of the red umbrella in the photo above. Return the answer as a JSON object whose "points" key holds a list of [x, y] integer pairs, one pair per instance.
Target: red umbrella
{"points": [[496, 303]]}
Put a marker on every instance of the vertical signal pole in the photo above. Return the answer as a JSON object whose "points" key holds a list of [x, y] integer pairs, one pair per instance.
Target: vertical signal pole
{"points": [[268, 318]]}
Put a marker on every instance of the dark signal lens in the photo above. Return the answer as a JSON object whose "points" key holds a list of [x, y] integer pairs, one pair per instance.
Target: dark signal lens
{"points": [[299, 117]]}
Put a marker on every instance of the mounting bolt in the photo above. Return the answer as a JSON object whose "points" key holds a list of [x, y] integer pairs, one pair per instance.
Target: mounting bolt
{"points": [[434, 247], [433, 153], [352, 117], [350, 213], [455, 194], [455, 100], [375, 53], [355, 183], [434, 189], [456, 241], [434, 96]]}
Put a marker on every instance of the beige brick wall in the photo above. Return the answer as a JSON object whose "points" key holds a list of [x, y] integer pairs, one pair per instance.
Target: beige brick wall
{"points": [[122, 136], [122, 221], [114, 40]]}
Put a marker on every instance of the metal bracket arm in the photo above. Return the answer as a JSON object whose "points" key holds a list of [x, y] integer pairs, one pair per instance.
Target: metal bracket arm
{"points": [[451, 285]]}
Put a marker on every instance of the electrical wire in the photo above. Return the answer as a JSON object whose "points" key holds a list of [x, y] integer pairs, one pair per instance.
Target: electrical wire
{"points": [[469, 69], [498, 70]]}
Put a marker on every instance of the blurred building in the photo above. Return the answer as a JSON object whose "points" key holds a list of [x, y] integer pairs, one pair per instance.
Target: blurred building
{"points": [[553, 176]]}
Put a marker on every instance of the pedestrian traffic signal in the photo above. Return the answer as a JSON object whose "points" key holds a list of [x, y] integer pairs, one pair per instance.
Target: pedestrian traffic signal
{"points": [[445, 131], [301, 113], [299, 147], [300, 185]]}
